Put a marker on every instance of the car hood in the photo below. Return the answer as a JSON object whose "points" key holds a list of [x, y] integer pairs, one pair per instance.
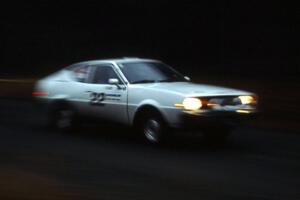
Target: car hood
{"points": [[192, 89]]}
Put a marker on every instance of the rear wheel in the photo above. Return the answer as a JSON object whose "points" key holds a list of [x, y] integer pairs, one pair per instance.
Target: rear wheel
{"points": [[63, 118]]}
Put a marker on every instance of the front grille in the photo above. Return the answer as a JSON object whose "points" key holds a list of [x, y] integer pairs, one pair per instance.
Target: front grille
{"points": [[221, 101]]}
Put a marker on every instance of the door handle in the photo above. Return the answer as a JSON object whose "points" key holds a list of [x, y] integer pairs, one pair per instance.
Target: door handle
{"points": [[108, 87]]}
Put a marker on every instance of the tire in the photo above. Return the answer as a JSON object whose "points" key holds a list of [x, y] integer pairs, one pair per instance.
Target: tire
{"points": [[63, 118], [153, 128]]}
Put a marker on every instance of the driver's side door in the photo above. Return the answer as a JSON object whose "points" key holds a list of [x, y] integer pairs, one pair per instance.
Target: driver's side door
{"points": [[107, 101]]}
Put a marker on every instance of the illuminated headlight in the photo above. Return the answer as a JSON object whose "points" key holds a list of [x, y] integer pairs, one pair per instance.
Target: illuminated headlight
{"points": [[192, 104], [247, 100]]}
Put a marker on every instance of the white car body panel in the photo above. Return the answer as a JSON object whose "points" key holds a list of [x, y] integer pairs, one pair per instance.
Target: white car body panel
{"points": [[162, 96], [163, 100]]}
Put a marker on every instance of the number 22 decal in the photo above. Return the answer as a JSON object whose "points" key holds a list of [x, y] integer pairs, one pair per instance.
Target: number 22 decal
{"points": [[96, 98]]}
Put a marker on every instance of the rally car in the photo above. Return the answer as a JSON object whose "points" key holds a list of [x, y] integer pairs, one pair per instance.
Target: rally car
{"points": [[147, 94]]}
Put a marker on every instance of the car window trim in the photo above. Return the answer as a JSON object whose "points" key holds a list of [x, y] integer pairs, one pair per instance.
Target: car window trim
{"points": [[93, 69]]}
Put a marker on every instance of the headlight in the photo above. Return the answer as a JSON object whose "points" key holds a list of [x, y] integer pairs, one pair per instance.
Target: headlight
{"points": [[247, 99], [192, 103]]}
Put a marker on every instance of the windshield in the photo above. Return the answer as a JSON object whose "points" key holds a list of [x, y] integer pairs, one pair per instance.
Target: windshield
{"points": [[150, 72]]}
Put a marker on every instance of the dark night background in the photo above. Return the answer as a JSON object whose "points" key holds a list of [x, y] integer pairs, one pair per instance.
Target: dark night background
{"points": [[249, 45], [251, 39]]}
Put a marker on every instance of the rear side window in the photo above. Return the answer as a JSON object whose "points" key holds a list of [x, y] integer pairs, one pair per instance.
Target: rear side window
{"points": [[81, 73], [103, 73]]}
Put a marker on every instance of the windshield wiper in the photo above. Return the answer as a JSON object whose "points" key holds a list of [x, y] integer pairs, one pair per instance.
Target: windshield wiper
{"points": [[166, 80], [170, 80], [144, 81]]}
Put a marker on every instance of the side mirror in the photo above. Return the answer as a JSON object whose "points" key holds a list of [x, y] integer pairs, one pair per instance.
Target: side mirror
{"points": [[187, 78], [113, 81]]}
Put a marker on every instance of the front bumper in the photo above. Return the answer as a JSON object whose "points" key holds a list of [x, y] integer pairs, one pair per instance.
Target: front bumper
{"points": [[191, 119]]}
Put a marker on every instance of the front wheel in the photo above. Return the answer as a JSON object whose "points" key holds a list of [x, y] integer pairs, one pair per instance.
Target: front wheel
{"points": [[153, 128]]}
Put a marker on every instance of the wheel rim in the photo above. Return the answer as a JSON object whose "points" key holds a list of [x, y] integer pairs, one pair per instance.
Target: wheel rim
{"points": [[152, 130], [64, 119]]}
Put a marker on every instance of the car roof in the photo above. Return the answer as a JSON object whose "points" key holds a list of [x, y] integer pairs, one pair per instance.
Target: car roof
{"points": [[115, 60]]}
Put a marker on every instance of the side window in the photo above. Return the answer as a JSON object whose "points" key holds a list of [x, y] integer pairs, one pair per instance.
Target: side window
{"points": [[81, 73], [103, 73]]}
